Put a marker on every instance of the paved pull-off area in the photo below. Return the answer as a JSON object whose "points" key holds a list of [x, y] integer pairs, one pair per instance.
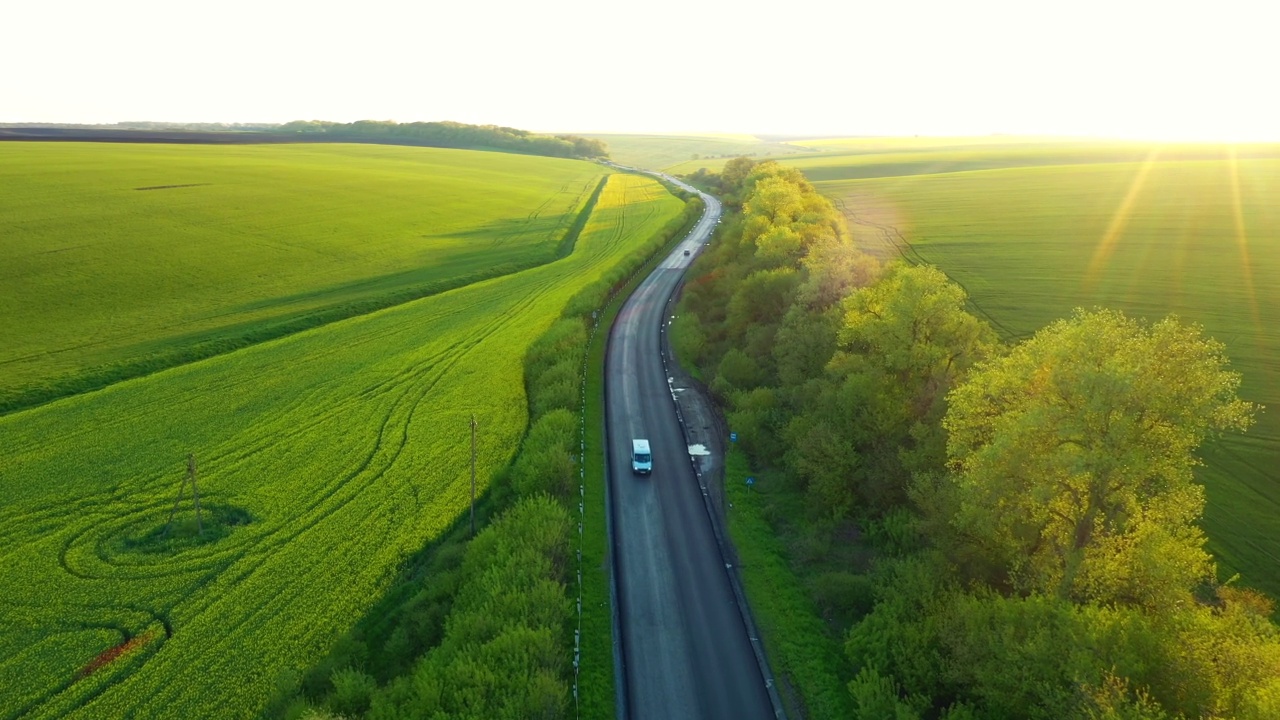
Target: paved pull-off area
{"points": [[685, 648]]}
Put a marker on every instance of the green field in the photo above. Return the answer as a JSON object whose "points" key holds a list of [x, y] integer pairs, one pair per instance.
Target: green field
{"points": [[325, 458], [660, 152], [1033, 230], [115, 254], [856, 158]]}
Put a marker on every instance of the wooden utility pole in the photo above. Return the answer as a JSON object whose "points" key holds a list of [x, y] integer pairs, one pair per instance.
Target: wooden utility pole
{"points": [[473, 474], [182, 489]]}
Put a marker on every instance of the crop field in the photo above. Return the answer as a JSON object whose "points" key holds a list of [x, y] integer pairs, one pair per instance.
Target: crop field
{"points": [[1190, 230], [324, 458], [116, 253]]}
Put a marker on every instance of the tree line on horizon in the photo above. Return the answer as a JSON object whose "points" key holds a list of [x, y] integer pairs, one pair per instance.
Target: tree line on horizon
{"points": [[448, 134], [1029, 512], [443, 134]]}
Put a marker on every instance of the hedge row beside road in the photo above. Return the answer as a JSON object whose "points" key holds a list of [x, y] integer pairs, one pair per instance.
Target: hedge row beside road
{"points": [[504, 612]]}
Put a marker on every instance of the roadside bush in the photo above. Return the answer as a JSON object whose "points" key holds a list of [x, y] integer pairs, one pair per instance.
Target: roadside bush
{"points": [[895, 533], [545, 464], [739, 370], [754, 418], [352, 691], [558, 388], [688, 340], [875, 697], [844, 597], [502, 655], [565, 339]]}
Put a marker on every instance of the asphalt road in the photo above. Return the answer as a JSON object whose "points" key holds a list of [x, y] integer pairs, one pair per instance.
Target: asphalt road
{"points": [[685, 651]]}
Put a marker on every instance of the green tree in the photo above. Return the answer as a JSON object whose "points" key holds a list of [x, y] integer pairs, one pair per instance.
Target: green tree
{"points": [[735, 173], [1072, 457], [905, 341]]}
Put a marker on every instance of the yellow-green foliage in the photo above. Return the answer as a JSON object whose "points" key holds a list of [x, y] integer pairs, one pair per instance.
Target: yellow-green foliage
{"points": [[1077, 590], [347, 446], [117, 259], [500, 656], [1072, 457], [1199, 238], [1044, 657]]}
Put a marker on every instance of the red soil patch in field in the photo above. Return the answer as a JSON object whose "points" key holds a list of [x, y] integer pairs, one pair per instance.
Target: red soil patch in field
{"points": [[111, 654]]}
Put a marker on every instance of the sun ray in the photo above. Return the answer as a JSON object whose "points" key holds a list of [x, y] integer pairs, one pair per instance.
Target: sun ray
{"points": [[1107, 245], [1242, 239]]}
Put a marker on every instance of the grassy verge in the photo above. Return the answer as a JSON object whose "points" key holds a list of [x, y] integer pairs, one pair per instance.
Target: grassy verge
{"points": [[805, 658], [595, 679]]}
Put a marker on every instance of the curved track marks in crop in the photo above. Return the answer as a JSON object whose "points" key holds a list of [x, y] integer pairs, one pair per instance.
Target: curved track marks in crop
{"points": [[347, 446]]}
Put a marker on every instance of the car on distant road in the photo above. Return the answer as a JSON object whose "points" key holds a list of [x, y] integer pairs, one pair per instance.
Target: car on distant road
{"points": [[686, 252]]}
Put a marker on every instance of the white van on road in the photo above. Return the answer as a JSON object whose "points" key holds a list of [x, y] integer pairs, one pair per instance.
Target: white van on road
{"points": [[641, 458]]}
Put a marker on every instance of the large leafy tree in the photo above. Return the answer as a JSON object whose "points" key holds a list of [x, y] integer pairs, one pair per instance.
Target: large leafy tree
{"points": [[1072, 457], [903, 343]]}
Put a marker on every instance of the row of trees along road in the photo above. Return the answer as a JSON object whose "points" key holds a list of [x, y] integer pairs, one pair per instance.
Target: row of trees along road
{"points": [[1023, 519]]}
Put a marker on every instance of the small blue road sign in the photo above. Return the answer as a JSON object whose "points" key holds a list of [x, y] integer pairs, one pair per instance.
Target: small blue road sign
{"points": [[733, 437], [751, 481]]}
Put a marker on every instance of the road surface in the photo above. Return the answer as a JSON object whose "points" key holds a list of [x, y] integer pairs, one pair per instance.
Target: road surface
{"points": [[685, 652]]}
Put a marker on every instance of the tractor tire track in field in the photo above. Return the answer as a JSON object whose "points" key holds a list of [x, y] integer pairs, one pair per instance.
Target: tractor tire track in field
{"points": [[240, 453], [448, 358], [326, 509], [388, 384], [492, 327], [320, 505], [533, 216], [422, 379], [501, 321], [117, 672], [504, 319], [438, 366], [371, 493]]}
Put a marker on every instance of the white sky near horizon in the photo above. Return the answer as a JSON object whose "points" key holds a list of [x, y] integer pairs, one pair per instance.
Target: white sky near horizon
{"points": [[1116, 68]]}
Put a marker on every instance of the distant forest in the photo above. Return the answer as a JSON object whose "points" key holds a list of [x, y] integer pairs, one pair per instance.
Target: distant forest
{"points": [[430, 134], [454, 135]]}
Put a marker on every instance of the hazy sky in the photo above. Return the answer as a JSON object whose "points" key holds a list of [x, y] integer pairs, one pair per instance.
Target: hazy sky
{"points": [[1208, 70]]}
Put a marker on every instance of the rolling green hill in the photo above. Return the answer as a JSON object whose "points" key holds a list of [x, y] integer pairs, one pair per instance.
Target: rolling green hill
{"points": [[119, 259], [325, 458]]}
